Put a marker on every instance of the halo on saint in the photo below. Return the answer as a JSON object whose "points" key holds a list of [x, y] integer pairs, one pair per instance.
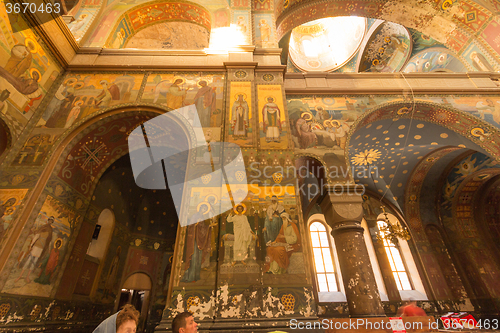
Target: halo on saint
{"points": [[335, 122], [69, 82], [31, 45], [212, 196], [327, 123], [60, 241], [306, 115], [240, 93], [203, 203], [235, 208], [179, 78], [33, 70], [270, 96]]}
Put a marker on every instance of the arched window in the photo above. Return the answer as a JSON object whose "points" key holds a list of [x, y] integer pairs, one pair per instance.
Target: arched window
{"points": [[323, 259], [395, 260]]}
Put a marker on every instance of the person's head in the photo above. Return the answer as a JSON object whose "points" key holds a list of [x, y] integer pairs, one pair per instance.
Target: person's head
{"points": [[270, 99], [286, 219], [239, 209], [178, 81], [203, 208], [184, 323], [274, 199], [51, 220], [490, 102], [203, 83], [127, 319]]}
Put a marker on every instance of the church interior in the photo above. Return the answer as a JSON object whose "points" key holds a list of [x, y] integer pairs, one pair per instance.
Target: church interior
{"points": [[340, 158]]}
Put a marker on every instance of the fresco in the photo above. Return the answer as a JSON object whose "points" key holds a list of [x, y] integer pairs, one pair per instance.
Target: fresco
{"points": [[265, 32], [432, 60], [149, 14], [83, 20], [386, 50], [175, 90], [272, 117], [478, 60], [27, 71], [242, 20], [490, 34], [10, 200], [39, 261], [422, 42], [79, 96], [170, 36], [241, 129]]}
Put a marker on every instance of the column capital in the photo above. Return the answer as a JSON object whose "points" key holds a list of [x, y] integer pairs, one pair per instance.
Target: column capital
{"points": [[344, 203]]}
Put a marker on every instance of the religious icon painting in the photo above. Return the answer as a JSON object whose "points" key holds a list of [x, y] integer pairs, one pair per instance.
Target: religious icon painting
{"points": [[240, 129], [273, 127], [40, 253], [10, 200]]}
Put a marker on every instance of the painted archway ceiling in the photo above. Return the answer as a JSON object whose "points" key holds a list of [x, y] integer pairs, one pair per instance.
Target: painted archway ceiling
{"points": [[133, 16], [396, 143], [143, 212]]}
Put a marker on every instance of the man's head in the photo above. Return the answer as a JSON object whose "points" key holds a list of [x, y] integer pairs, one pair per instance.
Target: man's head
{"points": [[239, 209], [274, 199], [127, 319], [184, 323], [270, 99], [51, 220], [178, 81], [203, 208]]}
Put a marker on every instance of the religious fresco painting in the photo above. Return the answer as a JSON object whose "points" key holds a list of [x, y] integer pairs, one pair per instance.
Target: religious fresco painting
{"points": [[119, 37], [241, 18], [82, 21], [240, 129], [27, 71], [479, 60], [432, 60], [386, 50], [175, 90], [10, 200], [38, 263], [272, 117], [79, 96], [265, 32], [262, 235]]}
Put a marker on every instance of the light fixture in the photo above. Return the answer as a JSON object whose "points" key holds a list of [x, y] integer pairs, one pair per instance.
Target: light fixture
{"points": [[389, 231]]}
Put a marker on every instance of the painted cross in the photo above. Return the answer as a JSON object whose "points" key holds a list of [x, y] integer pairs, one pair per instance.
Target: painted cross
{"points": [[85, 278], [92, 155], [371, 8]]}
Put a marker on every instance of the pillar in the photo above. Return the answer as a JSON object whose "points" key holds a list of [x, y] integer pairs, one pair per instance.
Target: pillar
{"points": [[385, 266], [343, 211]]}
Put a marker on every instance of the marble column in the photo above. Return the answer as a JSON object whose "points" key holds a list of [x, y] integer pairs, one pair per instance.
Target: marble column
{"points": [[385, 266], [343, 211]]}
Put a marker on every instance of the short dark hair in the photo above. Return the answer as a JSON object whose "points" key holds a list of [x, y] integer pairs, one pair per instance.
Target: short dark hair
{"points": [[180, 321], [128, 312]]}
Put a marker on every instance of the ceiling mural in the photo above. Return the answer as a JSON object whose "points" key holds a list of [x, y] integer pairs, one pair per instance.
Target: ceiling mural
{"points": [[387, 49], [170, 36], [153, 13], [132, 16], [27, 71], [434, 60], [454, 23]]}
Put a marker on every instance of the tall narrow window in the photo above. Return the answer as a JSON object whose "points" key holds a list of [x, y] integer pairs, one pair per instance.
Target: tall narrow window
{"points": [[395, 260], [325, 271]]}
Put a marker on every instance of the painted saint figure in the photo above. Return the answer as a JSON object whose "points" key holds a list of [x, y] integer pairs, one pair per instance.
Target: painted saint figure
{"points": [[281, 249], [265, 30], [273, 220], [49, 265], [240, 117], [242, 234], [272, 120], [38, 247], [205, 103], [197, 243], [108, 94], [176, 95]]}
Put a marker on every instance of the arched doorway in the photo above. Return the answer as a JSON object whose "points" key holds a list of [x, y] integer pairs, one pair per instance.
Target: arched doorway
{"points": [[136, 290]]}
